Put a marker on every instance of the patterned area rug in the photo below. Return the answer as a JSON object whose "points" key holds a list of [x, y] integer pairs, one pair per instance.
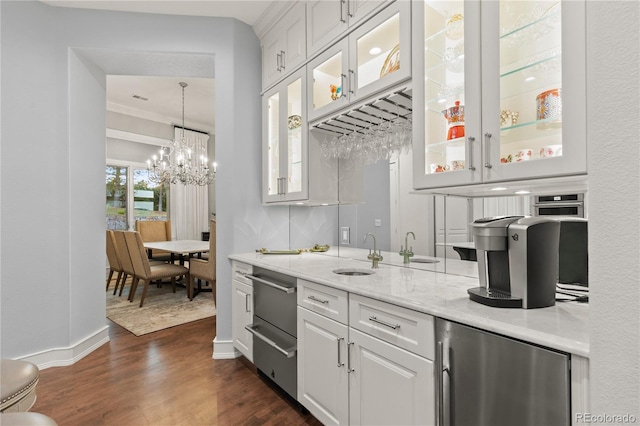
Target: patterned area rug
{"points": [[162, 308]]}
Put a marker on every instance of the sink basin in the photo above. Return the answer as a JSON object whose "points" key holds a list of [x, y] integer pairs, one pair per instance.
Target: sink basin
{"points": [[420, 260], [353, 272]]}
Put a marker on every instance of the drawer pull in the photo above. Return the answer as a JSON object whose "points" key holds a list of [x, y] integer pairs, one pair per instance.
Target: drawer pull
{"points": [[386, 324], [288, 352], [282, 288], [317, 300]]}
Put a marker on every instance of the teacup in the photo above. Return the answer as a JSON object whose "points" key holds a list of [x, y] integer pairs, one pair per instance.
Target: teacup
{"points": [[551, 151], [524, 155], [438, 168], [456, 165]]}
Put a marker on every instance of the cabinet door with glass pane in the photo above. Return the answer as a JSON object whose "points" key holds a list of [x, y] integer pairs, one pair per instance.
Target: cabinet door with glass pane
{"points": [[533, 89], [285, 141], [446, 93]]}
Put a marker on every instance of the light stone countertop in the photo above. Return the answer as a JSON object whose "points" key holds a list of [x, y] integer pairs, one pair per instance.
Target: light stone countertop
{"points": [[563, 327]]}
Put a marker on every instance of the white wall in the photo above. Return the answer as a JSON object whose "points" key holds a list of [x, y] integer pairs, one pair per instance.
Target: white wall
{"points": [[53, 147], [613, 129]]}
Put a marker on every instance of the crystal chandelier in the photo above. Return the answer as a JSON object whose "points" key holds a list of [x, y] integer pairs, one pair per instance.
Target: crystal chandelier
{"points": [[182, 161]]}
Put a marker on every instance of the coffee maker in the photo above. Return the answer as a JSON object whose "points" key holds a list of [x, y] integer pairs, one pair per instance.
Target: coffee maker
{"points": [[517, 261]]}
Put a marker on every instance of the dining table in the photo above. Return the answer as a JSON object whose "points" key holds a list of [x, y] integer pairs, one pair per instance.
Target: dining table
{"points": [[182, 248]]}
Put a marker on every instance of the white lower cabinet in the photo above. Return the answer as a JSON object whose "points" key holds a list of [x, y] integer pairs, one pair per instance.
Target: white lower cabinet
{"points": [[347, 376], [242, 309], [388, 385]]}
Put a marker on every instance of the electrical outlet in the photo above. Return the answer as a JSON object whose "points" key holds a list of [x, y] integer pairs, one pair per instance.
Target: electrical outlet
{"points": [[344, 235]]}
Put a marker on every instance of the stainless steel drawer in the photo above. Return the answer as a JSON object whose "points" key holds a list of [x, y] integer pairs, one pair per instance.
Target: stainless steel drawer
{"points": [[274, 353], [274, 297]]}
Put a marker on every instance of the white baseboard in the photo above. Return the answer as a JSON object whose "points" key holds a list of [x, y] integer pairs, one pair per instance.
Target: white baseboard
{"points": [[60, 357], [224, 349]]}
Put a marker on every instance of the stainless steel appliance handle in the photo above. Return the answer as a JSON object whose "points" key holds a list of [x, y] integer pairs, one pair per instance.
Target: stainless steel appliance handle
{"points": [[562, 204], [342, 2], [386, 324], [312, 297], [470, 141], [349, 369], [439, 389], [340, 363], [487, 151], [289, 353], [282, 288]]}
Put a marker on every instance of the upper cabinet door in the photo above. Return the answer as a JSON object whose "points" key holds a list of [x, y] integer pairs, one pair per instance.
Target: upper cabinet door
{"points": [[285, 155], [284, 47], [380, 51], [516, 112], [326, 20], [327, 80], [533, 61], [446, 93]]}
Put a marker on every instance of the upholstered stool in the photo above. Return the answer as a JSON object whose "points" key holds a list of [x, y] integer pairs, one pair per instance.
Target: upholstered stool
{"points": [[26, 419], [18, 380]]}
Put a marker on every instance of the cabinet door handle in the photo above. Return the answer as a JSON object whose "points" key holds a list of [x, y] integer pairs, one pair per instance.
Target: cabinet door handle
{"points": [[343, 80], [351, 85], [487, 151], [470, 141], [386, 324], [340, 363], [342, 2], [246, 303], [278, 62], [283, 60], [315, 299], [349, 369], [349, 9]]}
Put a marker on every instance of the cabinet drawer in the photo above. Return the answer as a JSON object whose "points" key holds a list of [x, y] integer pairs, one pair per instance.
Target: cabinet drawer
{"points": [[410, 330], [239, 272], [327, 301]]}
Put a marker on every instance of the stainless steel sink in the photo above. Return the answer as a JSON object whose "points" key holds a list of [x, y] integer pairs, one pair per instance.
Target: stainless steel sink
{"points": [[353, 272], [420, 260]]}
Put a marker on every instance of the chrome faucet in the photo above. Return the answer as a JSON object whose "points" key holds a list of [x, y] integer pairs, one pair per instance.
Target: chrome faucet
{"points": [[373, 257], [407, 252]]}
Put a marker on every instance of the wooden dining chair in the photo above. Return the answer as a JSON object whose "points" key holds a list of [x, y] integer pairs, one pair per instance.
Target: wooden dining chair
{"points": [[205, 269], [114, 262], [146, 272], [125, 259]]}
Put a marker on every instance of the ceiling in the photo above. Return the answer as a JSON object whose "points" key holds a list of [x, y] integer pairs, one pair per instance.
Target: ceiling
{"points": [[163, 94]]}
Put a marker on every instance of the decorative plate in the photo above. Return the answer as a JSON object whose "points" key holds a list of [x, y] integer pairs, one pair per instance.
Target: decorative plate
{"points": [[294, 121], [392, 63]]}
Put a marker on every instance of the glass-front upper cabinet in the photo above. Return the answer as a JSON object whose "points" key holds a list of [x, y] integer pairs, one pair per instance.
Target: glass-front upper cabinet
{"points": [[515, 112], [373, 57], [285, 141]]}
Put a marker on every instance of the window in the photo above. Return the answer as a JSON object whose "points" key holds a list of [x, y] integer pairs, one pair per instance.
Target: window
{"points": [[130, 196]]}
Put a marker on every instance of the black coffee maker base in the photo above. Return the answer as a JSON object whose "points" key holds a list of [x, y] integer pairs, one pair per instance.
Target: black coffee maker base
{"points": [[494, 299]]}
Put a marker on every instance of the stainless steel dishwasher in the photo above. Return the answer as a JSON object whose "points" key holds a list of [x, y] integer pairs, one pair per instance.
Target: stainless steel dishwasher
{"points": [[484, 379], [274, 328]]}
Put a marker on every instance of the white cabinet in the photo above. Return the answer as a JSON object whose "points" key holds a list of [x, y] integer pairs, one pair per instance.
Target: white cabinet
{"points": [[388, 385], [375, 56], [242, 309], [329, 19], [353, 362], [284, 46], [516, 111], [285, 157]]}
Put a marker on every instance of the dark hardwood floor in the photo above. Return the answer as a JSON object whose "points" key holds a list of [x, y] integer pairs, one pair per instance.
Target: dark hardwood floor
{"points": [[163, 378]]}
